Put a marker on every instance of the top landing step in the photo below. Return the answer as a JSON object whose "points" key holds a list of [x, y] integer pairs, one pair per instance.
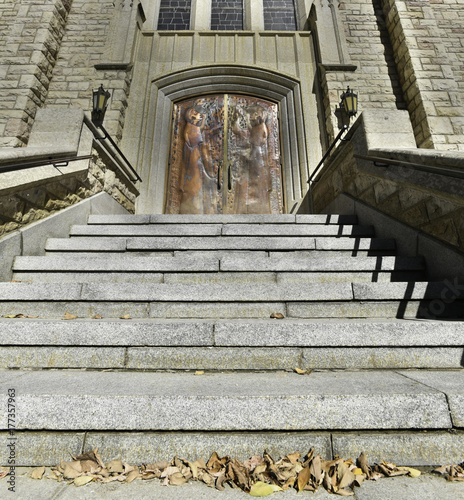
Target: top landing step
{"points": [[223, 219]]}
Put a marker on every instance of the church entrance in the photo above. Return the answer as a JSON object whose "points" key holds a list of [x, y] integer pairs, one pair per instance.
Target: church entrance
{"points": [[225, 157]]}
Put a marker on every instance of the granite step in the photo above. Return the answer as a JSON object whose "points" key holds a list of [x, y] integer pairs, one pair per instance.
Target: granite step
{"points": [[125, 263], [210, 230], [223, 219], [279, 401], [219, 345], [212, 300], [263, 243]]}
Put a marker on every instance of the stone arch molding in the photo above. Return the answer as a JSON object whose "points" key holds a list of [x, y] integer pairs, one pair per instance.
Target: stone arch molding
{"points": [[186, 83]]}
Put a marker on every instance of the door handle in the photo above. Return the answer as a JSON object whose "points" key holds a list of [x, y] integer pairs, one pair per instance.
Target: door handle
{"points": [[229, 177]]}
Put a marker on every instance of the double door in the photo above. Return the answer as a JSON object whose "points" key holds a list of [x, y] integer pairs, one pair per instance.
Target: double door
{"points": [[225, 157]]}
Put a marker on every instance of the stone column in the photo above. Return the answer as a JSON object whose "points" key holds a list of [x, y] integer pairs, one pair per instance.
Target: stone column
{"points": [[254, 17], [200, 19]]}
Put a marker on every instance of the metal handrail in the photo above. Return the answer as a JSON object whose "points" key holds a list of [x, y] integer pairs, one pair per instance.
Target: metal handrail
{"points": [[383, 162], [121, 154], [55, 162], [327, 153]]}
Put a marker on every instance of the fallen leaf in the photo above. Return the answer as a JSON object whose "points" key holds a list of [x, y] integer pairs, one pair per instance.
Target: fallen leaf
{"points": [[303, 478], [97, 316], [3, 473], [72, 470], [81, 480], [126, 316], [37, 473], [133, 474], [362, 463], [199, 372], [69, 316], [302, 372], [260, 489], [115, 466], [344, 493], [412, 472], [177, 479], [277, 316], [358, 471]]}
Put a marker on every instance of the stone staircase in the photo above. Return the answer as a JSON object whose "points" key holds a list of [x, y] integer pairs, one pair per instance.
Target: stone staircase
{"points": [[381, 346]]}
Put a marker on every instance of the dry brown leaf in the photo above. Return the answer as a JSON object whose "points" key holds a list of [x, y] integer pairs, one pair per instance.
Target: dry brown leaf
{"points": [[277, 316], [115, 466], [81, 480], [177, 479], [150, 475], [220, 480], [294, 457], [169, 471], [207, 478], [3, 473], [97, 316], [72, 470], [69, 316], [199, 372], [90, 466], [347, 479], [303, 478], [316, 470], [133, 474], [301, 372], [344, 493], [357, 471], [126, 316], [37, 473], [362, 463]]}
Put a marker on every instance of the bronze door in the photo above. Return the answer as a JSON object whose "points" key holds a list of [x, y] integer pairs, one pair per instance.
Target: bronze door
{"points": [[225, 157]]}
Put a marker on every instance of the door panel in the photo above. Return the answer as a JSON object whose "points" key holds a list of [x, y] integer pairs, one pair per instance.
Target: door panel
{"points": [[224, 156]]}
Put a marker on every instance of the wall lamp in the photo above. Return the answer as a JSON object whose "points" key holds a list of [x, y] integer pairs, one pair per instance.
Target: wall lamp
{"points": [[349, 102], [100, 100]]}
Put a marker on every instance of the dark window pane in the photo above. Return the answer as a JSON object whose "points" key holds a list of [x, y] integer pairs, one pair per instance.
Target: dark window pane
{"points": [[174, 15], [227, 15], [279, 15]]}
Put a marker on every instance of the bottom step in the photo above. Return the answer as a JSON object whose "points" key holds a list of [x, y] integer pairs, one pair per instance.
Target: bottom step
{"points": [[412, 417]]}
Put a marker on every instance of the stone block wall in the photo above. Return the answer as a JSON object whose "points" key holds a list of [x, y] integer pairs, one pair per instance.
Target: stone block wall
{"points": [[427, 39], [367, 66], [30, 37], [87, 58]]}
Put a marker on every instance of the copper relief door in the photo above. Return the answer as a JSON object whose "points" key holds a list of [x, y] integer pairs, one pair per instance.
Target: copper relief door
{"points": [[224, 157]]}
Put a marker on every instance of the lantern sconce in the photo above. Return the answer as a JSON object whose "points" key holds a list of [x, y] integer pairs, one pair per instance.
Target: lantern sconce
{"points": [[349, 102], [100, 103], [100, 99]]}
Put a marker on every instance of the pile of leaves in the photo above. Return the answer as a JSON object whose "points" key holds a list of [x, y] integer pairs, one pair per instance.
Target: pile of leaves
{"points": [[452, 472], [259, 475]]}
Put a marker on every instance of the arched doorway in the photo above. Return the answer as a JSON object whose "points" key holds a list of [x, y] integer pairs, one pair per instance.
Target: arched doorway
{"points": [[225, 156]]}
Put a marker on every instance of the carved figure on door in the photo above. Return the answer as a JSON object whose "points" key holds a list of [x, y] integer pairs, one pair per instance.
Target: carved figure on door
{"points": [[198, 181], [252, 177]]}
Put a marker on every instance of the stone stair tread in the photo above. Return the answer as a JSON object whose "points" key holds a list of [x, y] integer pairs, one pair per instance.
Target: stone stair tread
{"points": [[232, 333], [231, 292], [70, 400], [120, 263], [222, 219], [125, 263], [268, 243], [210, 230]]}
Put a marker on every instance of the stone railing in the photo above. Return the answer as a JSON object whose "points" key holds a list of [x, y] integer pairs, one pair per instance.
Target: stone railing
{"points": [[28, 195]]}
